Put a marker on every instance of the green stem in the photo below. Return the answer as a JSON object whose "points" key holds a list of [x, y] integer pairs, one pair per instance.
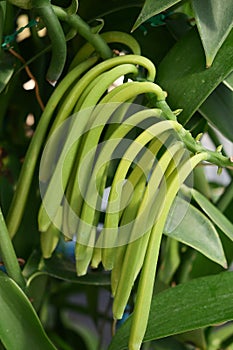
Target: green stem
{"points": [[8, 255], [85, 31], [195, 147], [166, 110]]}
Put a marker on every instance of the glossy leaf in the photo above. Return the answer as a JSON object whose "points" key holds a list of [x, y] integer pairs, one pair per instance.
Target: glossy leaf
{"points": [[214, 213], [152, 8], [214, 21], [20, 327], [195, 230], [200, 303], [218, 110], [61, 267], [183, 75]]}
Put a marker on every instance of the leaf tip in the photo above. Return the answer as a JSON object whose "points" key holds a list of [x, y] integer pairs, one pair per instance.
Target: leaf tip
{"points": [[224, 264], [135, 26], [52, 82], [141, 19], [209, 61]]}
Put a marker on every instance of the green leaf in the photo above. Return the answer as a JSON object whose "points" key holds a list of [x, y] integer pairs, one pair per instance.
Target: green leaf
{"points": [[36, 289], [228, 81], [214, 21], [2, 18], [200, 303], [195, 230], [20, 327], [152, 8], [214, 213], [183, 75], [218, 110], [165, 344], [6, 70], [61, 267]]}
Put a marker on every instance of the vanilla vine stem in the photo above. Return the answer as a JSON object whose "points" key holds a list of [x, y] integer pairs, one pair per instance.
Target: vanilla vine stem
{"points": [[214, 157], [192, 144], [73, 20], [85, 31]]}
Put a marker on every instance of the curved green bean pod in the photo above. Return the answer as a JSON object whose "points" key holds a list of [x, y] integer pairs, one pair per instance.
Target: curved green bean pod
{"points": [[16, 210], [44, 10], [110, 37], [146, 283], [88, 213]]}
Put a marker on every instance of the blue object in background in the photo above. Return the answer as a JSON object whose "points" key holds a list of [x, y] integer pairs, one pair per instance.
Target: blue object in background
{"points": [[2, 268], [155, 21], [67, 249], [126, 314]]}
